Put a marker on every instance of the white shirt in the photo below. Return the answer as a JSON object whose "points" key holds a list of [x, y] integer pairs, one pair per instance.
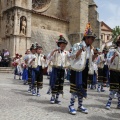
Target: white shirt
{"points": [[39, 60], [62, 58], [30, 57], [88, 52], [118, 49], [87, 49], [0, 58]]}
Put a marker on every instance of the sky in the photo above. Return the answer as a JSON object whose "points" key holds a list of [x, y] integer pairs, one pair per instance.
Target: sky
{"points": [[109, 12]]}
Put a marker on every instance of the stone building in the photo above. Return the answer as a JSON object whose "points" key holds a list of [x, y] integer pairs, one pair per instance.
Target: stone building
{"points": [[25, 21], [106, 35]]}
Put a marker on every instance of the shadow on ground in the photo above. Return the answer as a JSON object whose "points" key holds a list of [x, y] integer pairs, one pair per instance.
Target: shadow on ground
{"points": [[98, 118]]}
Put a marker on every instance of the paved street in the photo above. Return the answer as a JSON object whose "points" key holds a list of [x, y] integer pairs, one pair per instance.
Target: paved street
{"points": [[17, 104]]}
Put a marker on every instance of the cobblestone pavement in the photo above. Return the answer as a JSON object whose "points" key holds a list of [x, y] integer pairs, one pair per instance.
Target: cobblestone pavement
{"points": [[17, 104]]}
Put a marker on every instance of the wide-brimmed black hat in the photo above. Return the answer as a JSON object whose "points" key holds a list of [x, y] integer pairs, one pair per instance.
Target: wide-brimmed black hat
{"points": [[88, 32], [61, 40], [106, 49], [39, 47], [33, 46]]}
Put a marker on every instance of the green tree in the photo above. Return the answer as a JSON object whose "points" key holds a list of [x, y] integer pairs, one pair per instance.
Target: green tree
{"points": [[115, 33]]}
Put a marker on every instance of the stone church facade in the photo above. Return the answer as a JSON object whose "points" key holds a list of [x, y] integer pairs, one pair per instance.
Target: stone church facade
{"points": [[23, 22]]}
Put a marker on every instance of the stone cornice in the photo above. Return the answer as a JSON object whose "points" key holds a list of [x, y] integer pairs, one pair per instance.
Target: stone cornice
{"points": [[106, 30], [16, 7], [33, 11]]}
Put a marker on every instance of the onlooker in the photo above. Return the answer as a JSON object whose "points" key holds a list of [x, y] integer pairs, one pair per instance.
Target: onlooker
{"points": [[0, 60], [2, 55], [6, 58]]}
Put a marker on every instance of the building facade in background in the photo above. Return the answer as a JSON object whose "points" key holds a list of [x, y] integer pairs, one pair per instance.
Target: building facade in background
{"points": [[23, 22], [106, 35]]}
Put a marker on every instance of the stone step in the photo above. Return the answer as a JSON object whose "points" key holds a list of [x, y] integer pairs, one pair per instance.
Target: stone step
{"points": [[6, 70]]}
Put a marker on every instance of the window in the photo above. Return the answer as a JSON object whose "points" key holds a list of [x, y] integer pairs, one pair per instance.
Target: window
{"points": [[108, 37], [39, 4], [101, 36]]}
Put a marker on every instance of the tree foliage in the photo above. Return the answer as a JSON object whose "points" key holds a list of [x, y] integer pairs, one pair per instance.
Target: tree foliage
{"points": [[116, 33]]}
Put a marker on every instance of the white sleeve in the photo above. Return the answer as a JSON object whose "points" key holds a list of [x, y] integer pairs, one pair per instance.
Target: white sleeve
{"points": [[109, 61], [50, 58]]}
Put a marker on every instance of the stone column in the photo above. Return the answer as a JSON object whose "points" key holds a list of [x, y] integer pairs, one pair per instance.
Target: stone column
{"points": [[78, 17]]}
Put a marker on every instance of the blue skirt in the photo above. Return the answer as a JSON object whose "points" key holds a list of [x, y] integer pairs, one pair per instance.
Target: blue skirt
{"points": [[53, 77], [25, 74]]}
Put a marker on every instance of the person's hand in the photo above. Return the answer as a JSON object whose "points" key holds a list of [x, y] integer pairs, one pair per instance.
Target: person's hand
{"points": [[56, 50], [83, 48], [33, 59], [115, 54], [44, 57], [78, 53]]}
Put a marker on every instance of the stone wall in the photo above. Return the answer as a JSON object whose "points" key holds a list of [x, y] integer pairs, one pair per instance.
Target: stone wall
{"points": [[95, 24], [47, 38], [78, 17], [49, 23], [66, 17]]}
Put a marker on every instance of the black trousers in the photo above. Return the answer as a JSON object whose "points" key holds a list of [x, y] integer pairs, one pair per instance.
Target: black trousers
{"points": [[37, 77], [114, 80], [58, 87], [102, 78], [29, 75]]}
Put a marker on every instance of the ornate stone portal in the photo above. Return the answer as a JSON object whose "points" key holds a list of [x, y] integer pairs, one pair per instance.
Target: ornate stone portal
{"points": [[9, 30]]}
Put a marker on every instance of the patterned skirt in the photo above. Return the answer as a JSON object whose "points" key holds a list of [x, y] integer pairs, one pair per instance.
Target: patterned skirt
{"points": [[78, 82], [102, 78], [37, 77], [92, 79], [114, 80], [57, 80], [25, 74]]}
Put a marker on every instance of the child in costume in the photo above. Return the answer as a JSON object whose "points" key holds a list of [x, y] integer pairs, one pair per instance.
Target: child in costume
{"points": [[114, 75], [38, 64], [29, 58], [102, 70], [59, 61], [82, 54], [92, 78], [14, 64], [25, 68], [17, 64]]}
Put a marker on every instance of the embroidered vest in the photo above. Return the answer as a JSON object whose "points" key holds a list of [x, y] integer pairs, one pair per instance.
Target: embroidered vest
{"points": [[60, 59], [115, 65], [42, 60]]}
